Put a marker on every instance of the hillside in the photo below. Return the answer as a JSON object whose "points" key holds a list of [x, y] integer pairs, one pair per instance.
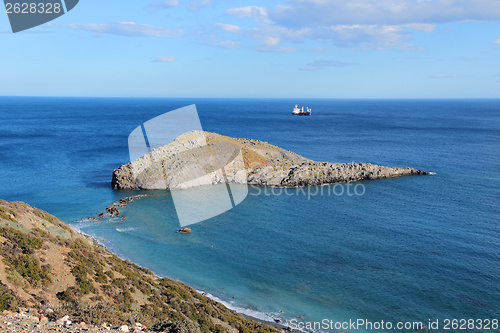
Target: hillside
{"points": [[47, 266]]}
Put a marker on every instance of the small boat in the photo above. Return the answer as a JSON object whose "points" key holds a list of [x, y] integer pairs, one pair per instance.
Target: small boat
{"points": [[300, 111]]}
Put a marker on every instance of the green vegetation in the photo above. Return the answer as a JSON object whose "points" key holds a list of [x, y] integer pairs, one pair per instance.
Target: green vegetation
{"points": [[29, 268], [66, 296], [7, 214], [7, 299], [26, 242], [170, 305], [105, 288], [14, 277], [80, 273], [52, 219], [100, 277], [45, 216], [42, 234], [18, 253]]}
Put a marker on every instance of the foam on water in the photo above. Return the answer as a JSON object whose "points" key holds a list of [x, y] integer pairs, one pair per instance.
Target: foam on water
{"points": [[249, 312], [130, 229]]}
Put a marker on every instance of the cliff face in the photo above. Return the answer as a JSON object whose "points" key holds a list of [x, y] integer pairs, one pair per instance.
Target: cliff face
{"points": [[44, 264], [189, 162]]}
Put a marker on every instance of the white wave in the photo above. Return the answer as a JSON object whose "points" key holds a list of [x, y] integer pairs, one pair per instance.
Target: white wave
{"points": [[129, 229], [267, 317], [81, 224], [432, 173], [245, 311]]}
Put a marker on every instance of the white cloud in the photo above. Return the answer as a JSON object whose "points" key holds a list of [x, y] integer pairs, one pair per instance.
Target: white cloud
{"points": [[427, 27], [355, 36], [254, 12], [164, 59], [129, 29], [497, 42], [155, 6], [229, 27], [374, 24], [271, 41], [166, 3], [227, 44], [271, 35], [301, 13], [197, 4], [366, 24], [354, 23], [367, 36], [322, 49], [280, 49]]}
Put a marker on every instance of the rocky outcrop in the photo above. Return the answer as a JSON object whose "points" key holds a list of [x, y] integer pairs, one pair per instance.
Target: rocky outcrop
{"points": [[114, 209], [320, 173], [203, 158], [184, 231]]}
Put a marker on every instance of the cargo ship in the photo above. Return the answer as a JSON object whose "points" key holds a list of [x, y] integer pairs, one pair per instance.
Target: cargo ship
{"points": [[300, 111]]}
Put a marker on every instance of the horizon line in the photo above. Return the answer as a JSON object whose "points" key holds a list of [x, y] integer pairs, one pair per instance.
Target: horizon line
{"points": [[255, 97]]}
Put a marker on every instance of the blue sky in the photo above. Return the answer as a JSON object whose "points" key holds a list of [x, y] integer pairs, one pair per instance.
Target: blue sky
{"points": [[273, 48]]}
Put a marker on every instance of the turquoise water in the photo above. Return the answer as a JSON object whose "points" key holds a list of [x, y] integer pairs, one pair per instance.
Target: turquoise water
{"points": [[408, 249]]}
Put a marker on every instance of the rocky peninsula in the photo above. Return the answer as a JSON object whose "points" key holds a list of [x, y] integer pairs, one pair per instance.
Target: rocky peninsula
{"points": [[202, 158]]}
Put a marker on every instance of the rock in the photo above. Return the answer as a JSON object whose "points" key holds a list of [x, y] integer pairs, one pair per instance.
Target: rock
{"points": [[124, 328], [184, 326], [113, 210], [63, 320], [180, 165], [43, 320], [184, 231]]}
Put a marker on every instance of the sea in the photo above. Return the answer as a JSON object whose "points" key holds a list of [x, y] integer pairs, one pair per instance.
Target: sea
{"points": [[402, 250]]}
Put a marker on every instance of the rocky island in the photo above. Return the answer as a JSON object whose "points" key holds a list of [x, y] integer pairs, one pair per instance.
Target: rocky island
{"points": [[202, 158]]}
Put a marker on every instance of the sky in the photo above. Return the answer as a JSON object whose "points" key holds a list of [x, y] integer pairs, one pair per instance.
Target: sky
{"points": [[270, 49]]}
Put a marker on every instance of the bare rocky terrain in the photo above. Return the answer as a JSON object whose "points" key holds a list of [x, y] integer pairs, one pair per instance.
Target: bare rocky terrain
{"points": [[203, 158]]}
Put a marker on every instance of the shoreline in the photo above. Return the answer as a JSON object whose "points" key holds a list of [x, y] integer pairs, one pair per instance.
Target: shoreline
{"points": [[94, 286], [241, 311]]}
